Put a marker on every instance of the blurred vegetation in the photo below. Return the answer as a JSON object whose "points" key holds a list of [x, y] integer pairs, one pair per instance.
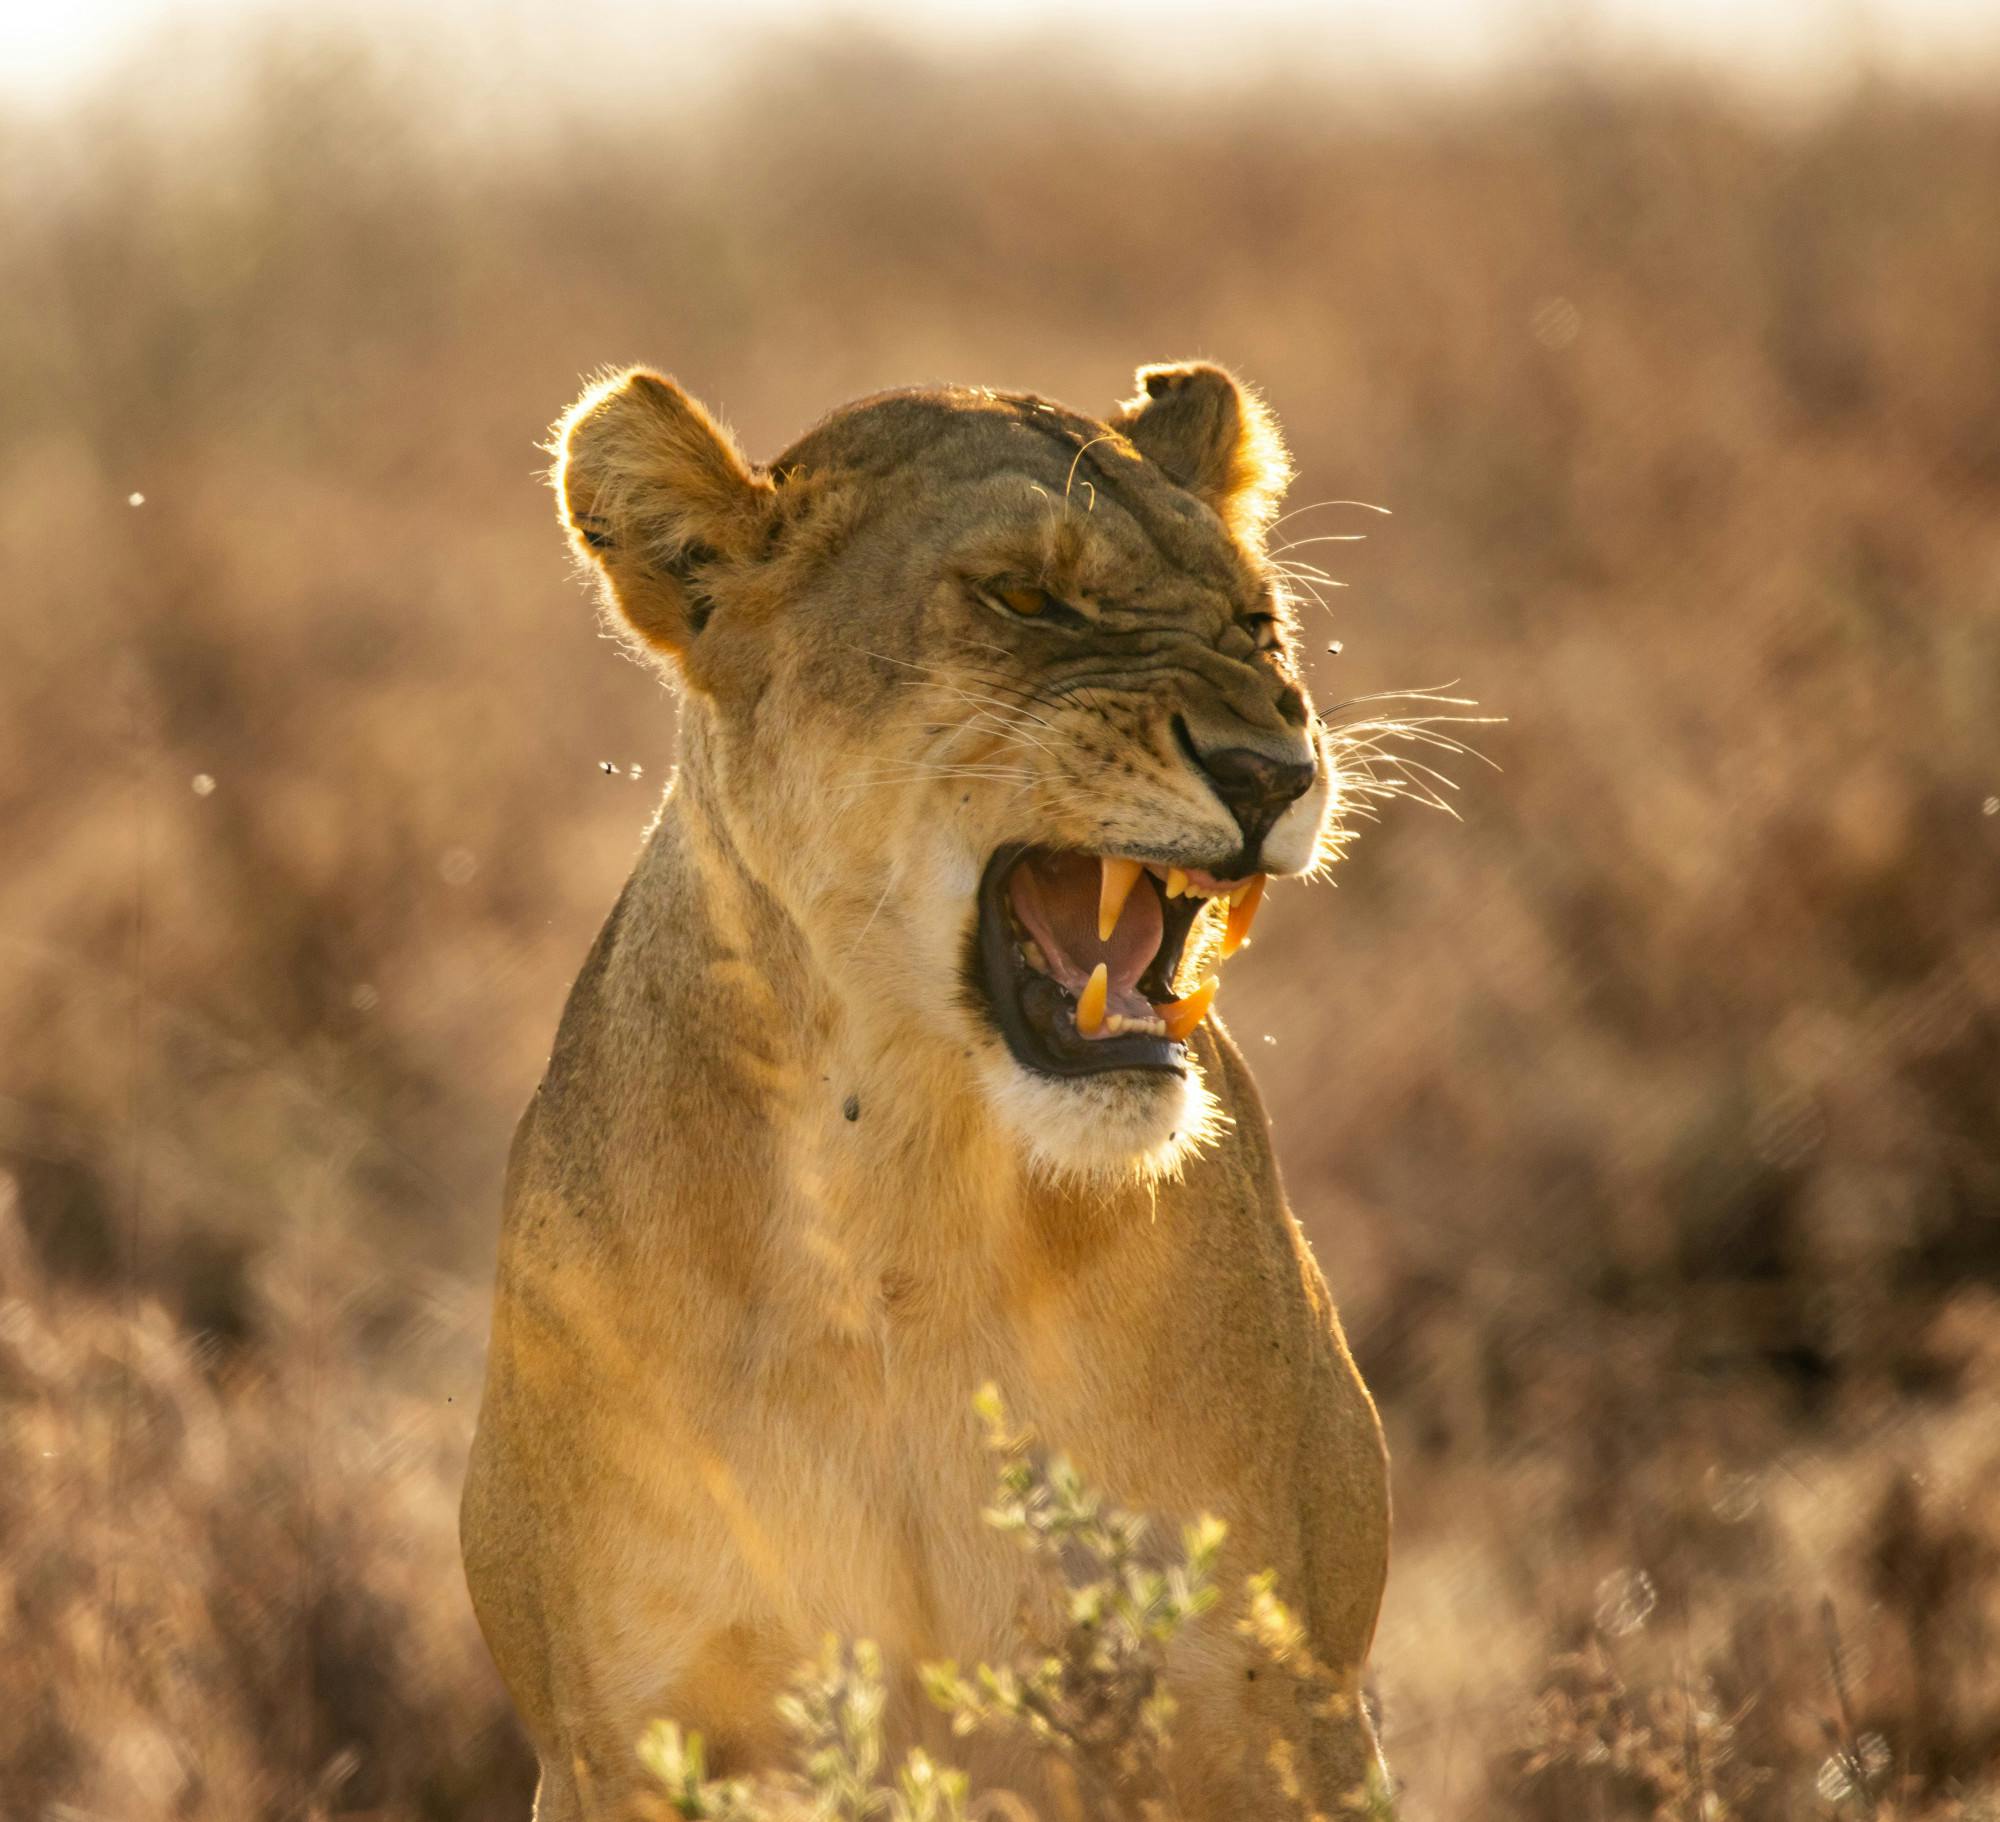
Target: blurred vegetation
{"points": [[1646, 1122]]}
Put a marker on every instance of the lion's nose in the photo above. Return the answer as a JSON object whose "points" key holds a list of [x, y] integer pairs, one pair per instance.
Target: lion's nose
{"points": [[1255, 788]]}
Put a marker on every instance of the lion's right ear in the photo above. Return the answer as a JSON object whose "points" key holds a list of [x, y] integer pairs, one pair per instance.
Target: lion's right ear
{"points": [[657, 497]]}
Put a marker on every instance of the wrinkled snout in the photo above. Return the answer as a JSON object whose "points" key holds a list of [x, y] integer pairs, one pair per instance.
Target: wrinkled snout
{"points": [[1255, 788], [1271, 780]]}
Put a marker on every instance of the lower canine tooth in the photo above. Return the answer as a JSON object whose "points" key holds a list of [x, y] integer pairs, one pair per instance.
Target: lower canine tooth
{"points": [[1090, 1003], [1036, 959]]}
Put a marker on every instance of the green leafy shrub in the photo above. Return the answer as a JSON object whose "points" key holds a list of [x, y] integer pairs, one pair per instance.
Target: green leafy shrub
{"points": [[1091, 1702]]}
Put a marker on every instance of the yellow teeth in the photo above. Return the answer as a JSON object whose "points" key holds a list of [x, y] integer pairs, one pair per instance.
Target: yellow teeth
{"points": [[1175, 1019], [1181, 1016], [1120, 876], [1090, 1003], [1243, 903]]}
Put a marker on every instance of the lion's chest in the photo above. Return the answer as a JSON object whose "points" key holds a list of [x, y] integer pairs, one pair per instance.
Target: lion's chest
{"points": [[824, 1469], [868, 1466], [799, 1452]]}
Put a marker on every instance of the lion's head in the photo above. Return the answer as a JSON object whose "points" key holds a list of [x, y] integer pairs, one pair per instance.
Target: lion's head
{"points": [[997, 701]]}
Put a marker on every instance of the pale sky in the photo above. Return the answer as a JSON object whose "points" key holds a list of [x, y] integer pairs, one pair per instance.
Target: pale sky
{"points": [[49, 49]]}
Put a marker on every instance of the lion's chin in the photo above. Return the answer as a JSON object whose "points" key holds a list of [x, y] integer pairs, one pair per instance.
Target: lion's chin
{"points": [[1125, 1125]]}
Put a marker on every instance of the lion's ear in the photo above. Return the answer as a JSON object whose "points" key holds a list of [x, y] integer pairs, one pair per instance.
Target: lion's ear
{"points": [[1214, 436], [658, 498]]}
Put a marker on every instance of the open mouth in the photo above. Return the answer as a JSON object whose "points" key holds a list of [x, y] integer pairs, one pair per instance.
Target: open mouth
{"points": [[1080, 956]]}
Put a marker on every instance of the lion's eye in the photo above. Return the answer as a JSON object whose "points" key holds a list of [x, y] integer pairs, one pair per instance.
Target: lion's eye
{"points": [[1263, 630], [1030, 601], [1027, 602]]}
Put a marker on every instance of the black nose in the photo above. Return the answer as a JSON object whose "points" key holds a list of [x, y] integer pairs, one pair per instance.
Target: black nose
{"points": [[1255, 790]]}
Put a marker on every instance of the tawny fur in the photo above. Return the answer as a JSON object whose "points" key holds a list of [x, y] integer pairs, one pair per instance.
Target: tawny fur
{"points": [[784, 1200]]}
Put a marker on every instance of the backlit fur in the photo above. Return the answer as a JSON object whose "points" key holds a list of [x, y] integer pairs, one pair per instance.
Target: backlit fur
{"points": [[785, 1199]]}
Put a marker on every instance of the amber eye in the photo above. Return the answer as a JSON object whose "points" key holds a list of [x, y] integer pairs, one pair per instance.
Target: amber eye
{"points": [[1027, 602], [1263, 630], [1030, 601]]}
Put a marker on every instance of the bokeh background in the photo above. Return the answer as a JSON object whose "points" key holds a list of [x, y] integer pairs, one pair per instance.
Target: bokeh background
{"points": [[1645, 1116]]}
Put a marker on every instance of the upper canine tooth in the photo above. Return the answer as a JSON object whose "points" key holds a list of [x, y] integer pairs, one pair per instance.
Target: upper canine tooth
{"points": [[1177, 882], [1120, 876], [1243, 905], [1090, 1003]]}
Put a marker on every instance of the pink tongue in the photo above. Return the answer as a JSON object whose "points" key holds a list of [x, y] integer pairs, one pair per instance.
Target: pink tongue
{"points": [[1055, 896]]}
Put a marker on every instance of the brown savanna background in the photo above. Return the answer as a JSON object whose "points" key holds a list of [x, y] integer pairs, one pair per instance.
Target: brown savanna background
{"points": [[1646, 1119]]}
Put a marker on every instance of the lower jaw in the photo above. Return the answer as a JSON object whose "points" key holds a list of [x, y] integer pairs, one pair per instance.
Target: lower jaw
{"points": [[1033, 1015], [1106, 1130]]}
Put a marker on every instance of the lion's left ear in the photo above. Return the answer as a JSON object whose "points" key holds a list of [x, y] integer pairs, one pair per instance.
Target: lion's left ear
{"points": [[1214, 436]]}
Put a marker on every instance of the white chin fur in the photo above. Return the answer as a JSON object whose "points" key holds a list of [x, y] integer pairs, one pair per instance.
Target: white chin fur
{"points": [[1130, 1124], [1293, 843]]}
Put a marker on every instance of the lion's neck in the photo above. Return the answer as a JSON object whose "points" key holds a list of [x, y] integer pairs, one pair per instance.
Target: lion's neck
{"points": [[788, 1116]]}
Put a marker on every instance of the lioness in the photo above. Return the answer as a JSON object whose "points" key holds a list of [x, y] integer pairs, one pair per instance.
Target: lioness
{"points": [[891, 1075]]}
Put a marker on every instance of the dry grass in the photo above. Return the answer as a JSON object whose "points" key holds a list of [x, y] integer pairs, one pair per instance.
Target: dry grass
{"points": [[1646, 1121]]}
